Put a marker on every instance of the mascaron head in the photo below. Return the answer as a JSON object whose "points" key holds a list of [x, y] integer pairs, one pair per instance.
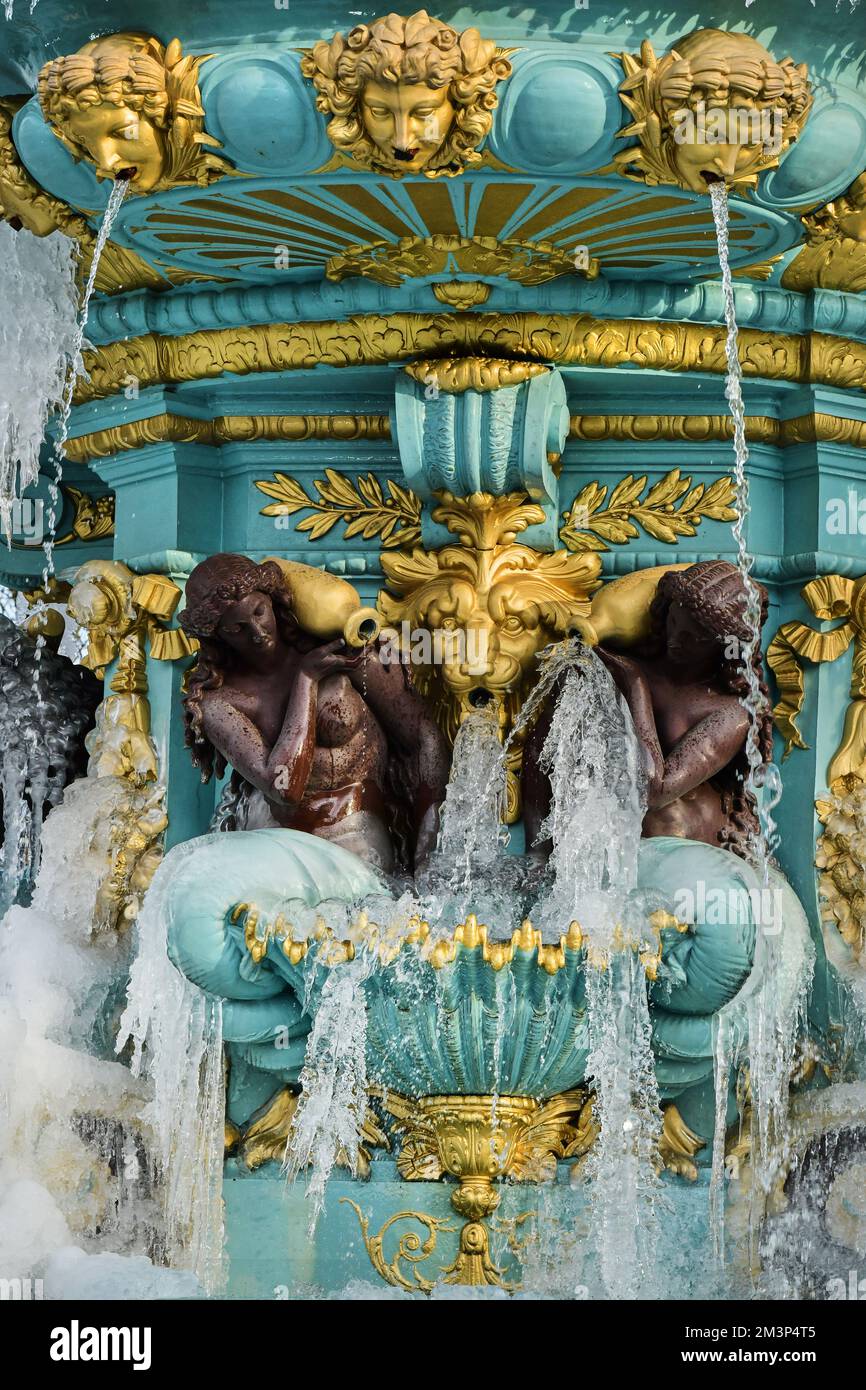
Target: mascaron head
{"points": [[408, 96], [132, 108], [717, 106]]}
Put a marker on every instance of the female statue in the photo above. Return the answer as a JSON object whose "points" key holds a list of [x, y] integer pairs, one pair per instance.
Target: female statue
{"points": [[328, 739], [683, 691]]}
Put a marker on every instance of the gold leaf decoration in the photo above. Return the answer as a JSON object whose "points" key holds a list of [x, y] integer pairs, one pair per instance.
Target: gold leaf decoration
{"points": [[840, 859], [362, 506], [670, 509]]}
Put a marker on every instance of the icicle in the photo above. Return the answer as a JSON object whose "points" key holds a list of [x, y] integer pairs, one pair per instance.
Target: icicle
{"points": [[176, 1032], [333, 1084], [38, 342]]}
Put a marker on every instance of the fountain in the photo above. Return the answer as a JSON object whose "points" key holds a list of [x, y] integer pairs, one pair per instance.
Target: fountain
{"points": [[437, 431]]}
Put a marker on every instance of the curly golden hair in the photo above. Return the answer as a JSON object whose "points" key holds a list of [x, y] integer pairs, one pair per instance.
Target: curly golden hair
{"points": [[130, 73], [156, 81], [719, 69], [418, 50]]}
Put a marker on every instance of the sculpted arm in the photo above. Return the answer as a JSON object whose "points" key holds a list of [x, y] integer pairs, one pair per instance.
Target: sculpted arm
{"points": [[702, 753], [416, 737], [279, 772]]}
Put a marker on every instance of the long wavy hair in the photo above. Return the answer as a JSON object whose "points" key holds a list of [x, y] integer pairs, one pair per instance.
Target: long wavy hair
{"points": [[214, 586], [714, 594]]}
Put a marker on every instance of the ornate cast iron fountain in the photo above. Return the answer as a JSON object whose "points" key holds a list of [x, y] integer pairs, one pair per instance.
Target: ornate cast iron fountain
{"points": [[436, 311]]}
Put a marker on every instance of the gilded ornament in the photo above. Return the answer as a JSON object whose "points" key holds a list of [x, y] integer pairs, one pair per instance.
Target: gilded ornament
{"points": [[374, 339], [462, 294], [402, 1271], [363, 506], [132, 108], [839, 858], [678, 1145], [226, 429], [480, 1140], [831, 596], [716, 106], [507, 601], [408, 96], [121, 612], [24, 204], [834, 257], [697, 429], [93, 519], [525, 262], [454, 375], [265, 1138], [672, 508], [259, 932]]}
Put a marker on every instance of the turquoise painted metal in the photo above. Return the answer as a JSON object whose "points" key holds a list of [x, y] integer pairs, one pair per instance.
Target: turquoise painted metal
{"points": [[553, 139]]}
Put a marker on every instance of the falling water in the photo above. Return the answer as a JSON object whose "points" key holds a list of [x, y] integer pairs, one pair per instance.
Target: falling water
{"points": [[9, 7], [468, 871], [592, 756], [41, 740], [58, 453], [754, 701], [763, 1021]]}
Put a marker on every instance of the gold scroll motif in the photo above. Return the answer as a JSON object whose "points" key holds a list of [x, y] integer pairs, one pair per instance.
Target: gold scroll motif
{"points": [[391, 263], [403, 1271], [834, 257], [408, 95], [839, 857], [479, 1141], [375, 339], [751, 109]]}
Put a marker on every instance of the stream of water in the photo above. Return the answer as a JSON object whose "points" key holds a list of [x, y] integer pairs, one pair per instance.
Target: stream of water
{"points": [[763, 1022]]}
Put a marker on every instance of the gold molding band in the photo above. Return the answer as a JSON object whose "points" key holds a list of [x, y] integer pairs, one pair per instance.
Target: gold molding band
{"points": [[643, 429], [700, 429], [225, 429], [374, 339]]}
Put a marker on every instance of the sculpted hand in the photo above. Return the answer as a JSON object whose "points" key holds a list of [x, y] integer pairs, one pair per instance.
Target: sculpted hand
{"points": [[334, 659], [624, 671]]}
